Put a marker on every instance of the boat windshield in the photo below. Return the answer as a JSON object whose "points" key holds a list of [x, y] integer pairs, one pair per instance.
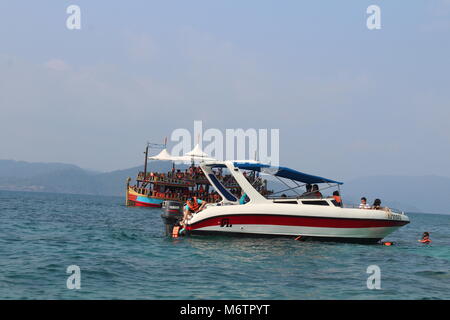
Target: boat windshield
{"points": [[281, 182]]}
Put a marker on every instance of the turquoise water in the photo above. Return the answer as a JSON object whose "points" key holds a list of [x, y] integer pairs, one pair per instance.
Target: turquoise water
{"points": [[123, 254]]}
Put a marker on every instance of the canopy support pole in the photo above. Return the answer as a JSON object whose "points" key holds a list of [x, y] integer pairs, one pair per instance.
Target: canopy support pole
{"points": [[145, 163], [340, 195], [290, 188]]}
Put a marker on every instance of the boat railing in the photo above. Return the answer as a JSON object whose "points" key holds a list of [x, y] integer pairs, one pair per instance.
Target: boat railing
{"points": [[388, 209], [182, 181], [177, 196], [168, 180], [277, 197]]}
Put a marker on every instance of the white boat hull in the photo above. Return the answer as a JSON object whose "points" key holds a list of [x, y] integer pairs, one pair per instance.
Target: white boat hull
{"points": [[298, 220], [297, 217]]}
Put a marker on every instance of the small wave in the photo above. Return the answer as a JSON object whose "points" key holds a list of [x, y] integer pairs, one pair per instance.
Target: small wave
{"points": [[430, 298], [433, 274], [51, 267]]}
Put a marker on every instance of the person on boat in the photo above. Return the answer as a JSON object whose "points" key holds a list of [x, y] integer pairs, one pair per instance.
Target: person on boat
{"points": [[244, 198], [307, 193], [376, 204], [364, 204], [337, 198], [315, 191], [425, 238], [192, 206]]}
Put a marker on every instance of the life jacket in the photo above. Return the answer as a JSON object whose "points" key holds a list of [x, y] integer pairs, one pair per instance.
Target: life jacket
{"points": [[175, 231], [337, 198], [193, 205], [425, 240]]}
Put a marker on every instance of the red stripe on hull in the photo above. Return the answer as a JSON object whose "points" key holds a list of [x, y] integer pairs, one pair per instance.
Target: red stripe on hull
{"points": [[319, 222], [144, 204]]}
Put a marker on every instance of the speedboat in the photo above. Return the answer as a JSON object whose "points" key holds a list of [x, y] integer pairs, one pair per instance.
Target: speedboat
{"points": [[301, 217]]}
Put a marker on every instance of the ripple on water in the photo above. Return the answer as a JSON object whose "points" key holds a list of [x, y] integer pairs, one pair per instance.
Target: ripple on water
{"points": [[434, 274]]}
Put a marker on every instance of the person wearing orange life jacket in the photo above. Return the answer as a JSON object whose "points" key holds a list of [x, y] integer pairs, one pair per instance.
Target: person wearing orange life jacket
{"points": [[425, 238], [176, 231], [193, 205], [337, 198]]}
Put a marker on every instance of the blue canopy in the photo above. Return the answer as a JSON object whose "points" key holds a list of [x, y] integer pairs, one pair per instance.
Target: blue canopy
{"points": [[283, 172]]}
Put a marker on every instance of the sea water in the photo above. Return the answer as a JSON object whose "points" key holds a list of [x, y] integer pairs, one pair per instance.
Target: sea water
{"points": [[122, 253]]}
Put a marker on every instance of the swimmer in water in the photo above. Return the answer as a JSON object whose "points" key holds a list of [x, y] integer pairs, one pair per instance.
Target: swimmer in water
{"points": [[425, 238]]}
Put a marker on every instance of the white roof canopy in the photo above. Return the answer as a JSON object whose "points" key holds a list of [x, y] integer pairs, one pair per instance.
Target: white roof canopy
{"points": [[195, 154], [193, 158], [164, 155]]}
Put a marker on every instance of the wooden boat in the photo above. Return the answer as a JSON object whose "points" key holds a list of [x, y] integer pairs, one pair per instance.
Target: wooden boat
{"points": [[153, 188]]}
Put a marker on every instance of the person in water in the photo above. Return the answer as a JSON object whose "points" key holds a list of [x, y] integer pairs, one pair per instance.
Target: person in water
{"points": [[425, 238]]}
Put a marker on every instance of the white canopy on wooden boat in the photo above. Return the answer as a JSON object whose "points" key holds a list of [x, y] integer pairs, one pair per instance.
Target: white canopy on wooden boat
{"points": [[164, 155], [193, 158], [195, 154]]}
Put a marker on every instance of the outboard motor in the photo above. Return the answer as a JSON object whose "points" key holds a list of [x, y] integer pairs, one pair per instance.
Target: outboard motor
{"points": [[172, 216]]}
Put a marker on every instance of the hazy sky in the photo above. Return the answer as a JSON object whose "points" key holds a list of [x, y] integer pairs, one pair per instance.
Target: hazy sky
{"points": [[348, 101]]}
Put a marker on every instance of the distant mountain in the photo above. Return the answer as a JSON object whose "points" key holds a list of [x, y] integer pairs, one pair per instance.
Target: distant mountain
{"points": [[413, 194], [22, 169], [66, 178]]}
